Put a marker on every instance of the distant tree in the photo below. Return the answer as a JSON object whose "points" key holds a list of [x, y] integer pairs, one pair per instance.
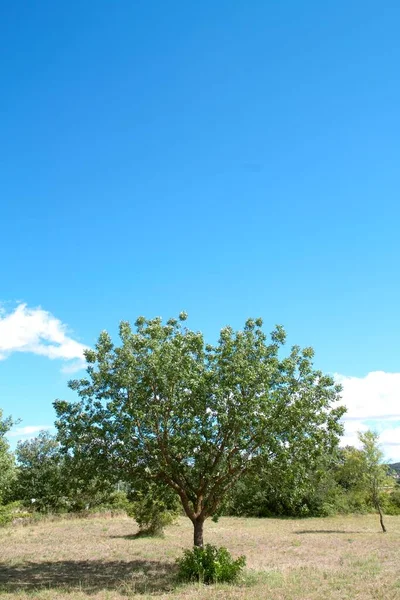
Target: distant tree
{"points": [[40, 478], [50, 480], [83, 489], [303, 486], [343, 480], [352, 493], [7, 463], [349, 468], [197, 417]]}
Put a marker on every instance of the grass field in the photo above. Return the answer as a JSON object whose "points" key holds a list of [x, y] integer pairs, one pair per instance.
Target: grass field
{"points": [[102, 559]]}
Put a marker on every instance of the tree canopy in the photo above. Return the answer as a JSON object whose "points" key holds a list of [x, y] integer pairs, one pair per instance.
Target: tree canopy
{"points": [[165, 406]]}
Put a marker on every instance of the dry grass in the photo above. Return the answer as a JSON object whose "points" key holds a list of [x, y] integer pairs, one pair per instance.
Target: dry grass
{"points": [[102, 559]]}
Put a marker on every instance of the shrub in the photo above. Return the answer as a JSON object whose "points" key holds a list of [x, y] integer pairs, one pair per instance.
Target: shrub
{"points": [[151, 514], [395, 497], [10, 512], [6, 515], [209, 565], [392, 505], [117, 503]]}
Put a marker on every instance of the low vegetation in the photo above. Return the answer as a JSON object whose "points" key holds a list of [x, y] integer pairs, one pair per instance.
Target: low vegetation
{"points": [[209, 565], [337, 558]]}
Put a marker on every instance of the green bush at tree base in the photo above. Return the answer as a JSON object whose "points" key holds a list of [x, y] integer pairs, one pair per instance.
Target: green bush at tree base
{"points": [[209, 565]]}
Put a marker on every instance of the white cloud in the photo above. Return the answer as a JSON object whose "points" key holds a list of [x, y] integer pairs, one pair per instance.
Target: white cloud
{"points": [[29, 431], [375, 396], [37, 331], [373, 402], [352, 428]]}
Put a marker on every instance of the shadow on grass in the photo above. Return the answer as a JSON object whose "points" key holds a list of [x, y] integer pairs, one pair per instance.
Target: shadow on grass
{"points": [[335, 531], [91, 576], [138, 536]]}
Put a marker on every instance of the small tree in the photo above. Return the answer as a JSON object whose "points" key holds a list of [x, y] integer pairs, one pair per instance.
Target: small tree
{"points": [[196, 417], [374, 472]]}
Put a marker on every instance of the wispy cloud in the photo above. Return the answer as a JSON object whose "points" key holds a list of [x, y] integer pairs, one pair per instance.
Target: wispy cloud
{"points": [[36, 331], [373, 402], [28, 431]]}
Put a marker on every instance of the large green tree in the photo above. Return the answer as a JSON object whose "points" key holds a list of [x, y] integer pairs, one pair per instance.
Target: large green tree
{"points": [[7, 463], [166, 406]]}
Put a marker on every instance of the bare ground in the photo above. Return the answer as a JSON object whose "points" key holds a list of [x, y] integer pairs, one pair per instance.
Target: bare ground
{"points": [[103, 559]]}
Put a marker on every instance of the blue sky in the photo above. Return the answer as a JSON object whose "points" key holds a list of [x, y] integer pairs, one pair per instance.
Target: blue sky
{"points": [[231, 159]]}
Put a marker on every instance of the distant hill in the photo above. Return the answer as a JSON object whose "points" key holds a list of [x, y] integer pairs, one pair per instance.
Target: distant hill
{"points": [[396, 467]]}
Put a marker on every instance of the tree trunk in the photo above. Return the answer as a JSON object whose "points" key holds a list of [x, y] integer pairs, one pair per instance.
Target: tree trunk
{"points": [[381, 517], [377, 503], [198, 532]]}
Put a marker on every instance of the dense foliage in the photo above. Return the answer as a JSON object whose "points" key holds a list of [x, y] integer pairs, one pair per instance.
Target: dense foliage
{"points": [[350, 480], [48, 480], [209, 565], [338, 483], [40, 477], [153, 507]]}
